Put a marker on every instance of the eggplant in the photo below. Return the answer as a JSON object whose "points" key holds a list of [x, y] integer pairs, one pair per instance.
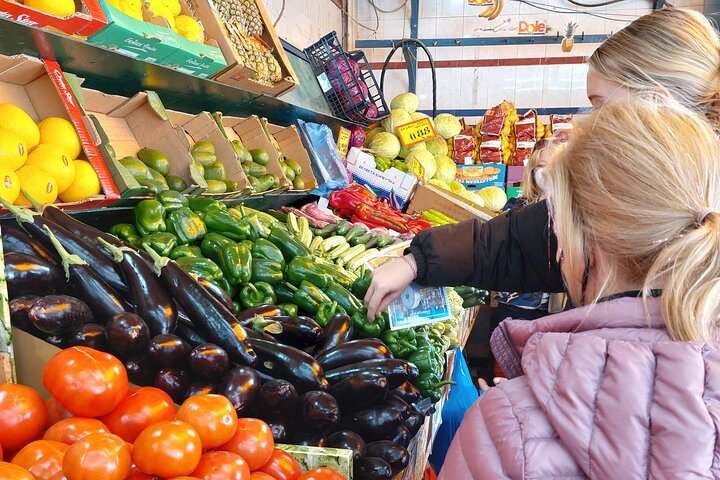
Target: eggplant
{"points": [[240, 386], [372, 468], [200, 388], [173, 381], [399, 405], [372, 424], [298, 332], [305, 438], [185, 330], [414, 422], [394, 369], [289, 363], [255, 335], [168, 350], [215, 322], [89, 335], [27, 275], [345, 439], [262, 310], [56, 341], [15, 240], [19, 309], [127, 334], [362, 390], [209, 361], [408, 392], [140, 371], [395, 455], [59, 314], [414, 373], [353, 352], [277, 396], [279, 430], [217, 292], [319, 410], [264, 377], [402, 436], [338, 331]]}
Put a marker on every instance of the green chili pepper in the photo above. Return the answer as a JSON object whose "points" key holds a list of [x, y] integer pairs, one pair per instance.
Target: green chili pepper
{"points": [[362, 284], [162, 242], [289, 309], [257, 294], [204, 205], [185, 225], [202, 267], [308, 297], [398, 342], [150, 217], [224, 222], [126, 232], [236, 263], [267, 271], [430, 386], [212, 245], [344, 298], [266, 249], [186, 251], [290, 246], [172, 200], [285, 292], [257, 229], [302, 269], [327, 311], [364, 328]]}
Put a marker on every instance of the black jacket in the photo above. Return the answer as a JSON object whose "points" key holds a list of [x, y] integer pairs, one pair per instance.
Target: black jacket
{"points": [[514, 252]]}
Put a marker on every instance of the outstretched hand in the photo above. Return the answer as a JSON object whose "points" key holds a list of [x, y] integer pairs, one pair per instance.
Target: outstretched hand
{"points": [[388, 282]]}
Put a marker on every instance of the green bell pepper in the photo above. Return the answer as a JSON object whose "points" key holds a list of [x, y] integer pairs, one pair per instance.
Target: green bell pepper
{"points": [[201, 267], [362, 284], [172, 200], [150, 217], [308, 297], [430, 386], [257, 294], [289, 309], [267, 271], [327, 311], [185, 225], [126, 232], [248, 244], [425, 360], [204, 205], [340, 275], [237, 307], [302, 269], [224, 222], [212, 245], [162, 242], [263, 248], [399, 342], [236, 263], [290, 246], [225, 285], [186, 251], [285, 292], [257, 229], [344, 298], [364, 328]]}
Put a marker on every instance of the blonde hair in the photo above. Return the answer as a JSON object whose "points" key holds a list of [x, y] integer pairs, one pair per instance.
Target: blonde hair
{"points": [[530, 190], [641, 183], [672, 48]]}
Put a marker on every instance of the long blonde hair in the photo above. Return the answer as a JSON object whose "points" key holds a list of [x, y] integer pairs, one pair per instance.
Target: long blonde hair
{"points": [[672, 48], [530, 190], [640, 183]]}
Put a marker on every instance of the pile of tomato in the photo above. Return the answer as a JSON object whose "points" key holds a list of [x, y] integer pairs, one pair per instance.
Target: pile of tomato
{"points": [[93, 428]]}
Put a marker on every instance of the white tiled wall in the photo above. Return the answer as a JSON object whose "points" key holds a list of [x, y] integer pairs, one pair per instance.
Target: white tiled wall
{"points": [[304, 22]]}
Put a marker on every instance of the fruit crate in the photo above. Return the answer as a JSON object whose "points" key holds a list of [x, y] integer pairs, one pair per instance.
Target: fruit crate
{"points": [[347, 81]]}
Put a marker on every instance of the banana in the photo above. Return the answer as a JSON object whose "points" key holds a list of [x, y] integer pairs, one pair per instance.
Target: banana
{"points": [[488, 11], [499, 4]]}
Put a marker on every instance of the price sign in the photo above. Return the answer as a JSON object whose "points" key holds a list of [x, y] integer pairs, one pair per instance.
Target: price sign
{"points": [[343, 142], [415, 132]]}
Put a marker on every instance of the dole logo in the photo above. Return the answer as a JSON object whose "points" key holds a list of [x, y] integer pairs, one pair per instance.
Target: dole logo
{"points": [[532, 28]]}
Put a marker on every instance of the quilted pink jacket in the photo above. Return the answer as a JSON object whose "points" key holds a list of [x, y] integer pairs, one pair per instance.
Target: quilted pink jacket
{"points": [[601, 393]]}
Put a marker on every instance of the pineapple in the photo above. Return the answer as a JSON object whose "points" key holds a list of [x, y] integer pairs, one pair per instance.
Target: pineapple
{"points": [[274, 69], [253, 20], [568, 41]]}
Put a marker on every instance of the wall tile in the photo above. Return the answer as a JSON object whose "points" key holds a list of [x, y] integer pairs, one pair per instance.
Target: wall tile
{"points": [[449, 27], [392, 5], [428, 9], [448, 86], [427, 28], [395, 29], [449, 8], [363, 10], [501, 85], [529, 86], [557, 85], [396, 82], [578, 95], [473, 88], [424, 89], [503, 51]]}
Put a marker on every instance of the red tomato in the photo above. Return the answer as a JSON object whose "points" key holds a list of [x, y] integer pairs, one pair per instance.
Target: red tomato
{"points": [[56, 411], [42, 458], [70, 430], [87, 382], [261, 476], [8, 471], [168, 449], [184, 477], [139, 409], [213, 416], [136, 474], [99, 456], [24, 415], [59, 476], [222, 466], [322, 473], [1, 453], [282, 466], [253, 441]]}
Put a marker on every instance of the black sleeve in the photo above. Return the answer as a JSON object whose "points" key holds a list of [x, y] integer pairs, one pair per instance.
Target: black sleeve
{"points": [[514, 252]]}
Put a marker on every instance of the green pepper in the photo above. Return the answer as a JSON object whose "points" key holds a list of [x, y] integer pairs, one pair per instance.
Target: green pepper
{"points": [[162, 242], [248, 244], [339, 274], [212, 245], [285, 292], [201, 267], [225, 285], [302, 269], [424, 359], [430, 386], [364, 328], [266, 249], [186, 251], [362, 284], [327, 311], [290, 246], [237, 307], [289, 309], [257, 229], [344, 298], [185, 225], [224, 222], [399, 342], [308, 297], [236, 263], [126, 232], [172, 200], [267, 271], [150, 217], [204, 205], [257, 294]]}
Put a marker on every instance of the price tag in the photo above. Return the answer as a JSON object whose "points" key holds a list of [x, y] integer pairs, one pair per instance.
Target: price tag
{"points": [[343, 142], [416, 132]]}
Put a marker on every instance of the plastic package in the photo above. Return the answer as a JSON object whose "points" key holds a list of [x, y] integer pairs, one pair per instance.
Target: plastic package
{"points": [[329, 168]]}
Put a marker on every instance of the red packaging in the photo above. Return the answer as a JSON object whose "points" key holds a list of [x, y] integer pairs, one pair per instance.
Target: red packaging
{"points": [[491, 151], [464, 147], [560, 122], [493, 121], [522, 153], [88, 19], [526, 127]]}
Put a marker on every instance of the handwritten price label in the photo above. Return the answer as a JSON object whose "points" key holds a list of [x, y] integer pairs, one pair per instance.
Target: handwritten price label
{"points": [[343, 142], [416, 132]]}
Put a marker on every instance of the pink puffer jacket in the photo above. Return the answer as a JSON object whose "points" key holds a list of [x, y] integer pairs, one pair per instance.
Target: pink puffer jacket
{"points": [[602, 393]]}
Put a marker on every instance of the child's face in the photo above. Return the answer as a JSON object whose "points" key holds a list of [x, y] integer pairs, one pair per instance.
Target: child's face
{"points": [[539, 170]]}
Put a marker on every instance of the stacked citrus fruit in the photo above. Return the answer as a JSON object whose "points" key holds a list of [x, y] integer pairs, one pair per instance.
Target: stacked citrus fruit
{"points": [[41, 160]]}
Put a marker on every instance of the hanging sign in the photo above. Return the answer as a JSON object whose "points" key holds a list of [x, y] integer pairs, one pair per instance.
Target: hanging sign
{"points": [[416, 132]]}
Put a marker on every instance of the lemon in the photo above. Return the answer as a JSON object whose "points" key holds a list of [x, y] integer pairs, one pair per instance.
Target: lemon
{"points": [[59, 131], [86, 183], [54, 160], [13, 152], [59, 8], [38, 183], [9, 185], [174, 7], [189, 28], [13, 118]]}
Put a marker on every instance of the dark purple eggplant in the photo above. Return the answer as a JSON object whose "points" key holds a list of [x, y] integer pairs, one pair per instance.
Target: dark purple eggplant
{"points": [[414, 373], [217, 292], [278, 396], [140, 371], [372, 424], [395, 455], [402, 436], [173, 381], [353, 352], [264, 377], [289, 363], [240, 386], [127, 333], [347, 440], [255, 334], [362, 390], [15, 240], [27, 275], [319, 410], [19, 310], [262, 310], [214, 321], [168, 350], [279, 430], [305, 438], [394, 369], [399, 405], [200, 388], [338, 331], [372, 468], [185, 330], [209, 361], [298, 332], [56, 341], [413, 423], [89, 335], [408, 392], [59, 314]]}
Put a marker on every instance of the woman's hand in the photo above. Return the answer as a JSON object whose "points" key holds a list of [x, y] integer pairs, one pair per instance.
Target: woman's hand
{"points": [[388, 282]]}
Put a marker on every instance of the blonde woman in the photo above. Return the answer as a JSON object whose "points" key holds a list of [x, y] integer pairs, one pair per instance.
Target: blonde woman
{"points": [[627, 385]]}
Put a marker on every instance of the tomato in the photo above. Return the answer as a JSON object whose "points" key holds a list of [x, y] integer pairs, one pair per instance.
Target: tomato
{"points": [[56, 411], [24, 415], [253, 441], [1, 453], [42, 458], [282, 466], [136, 474], [70, 430], [322, 473], [59, 476], [184, 477], [213, 416], [222, 466], [87, 382], [168, 449], [261, 476], [8, 471], [99, 456], [139, 409]]}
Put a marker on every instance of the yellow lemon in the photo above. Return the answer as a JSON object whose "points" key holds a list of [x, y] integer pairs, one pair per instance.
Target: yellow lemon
{"points": [[54, 160], [174, 7], [59, 8], [59, 131], [86, 183], [9, 185], [13, 118], [187, 27], [13, 152], [38, 183]]}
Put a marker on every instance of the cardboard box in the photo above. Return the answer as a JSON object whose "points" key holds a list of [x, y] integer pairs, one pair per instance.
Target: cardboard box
{"points": [[315, 457], [476, 177], [290, 144], [7, 364], [514, 174], [454, 206], [88, 19], [396, 186]]}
